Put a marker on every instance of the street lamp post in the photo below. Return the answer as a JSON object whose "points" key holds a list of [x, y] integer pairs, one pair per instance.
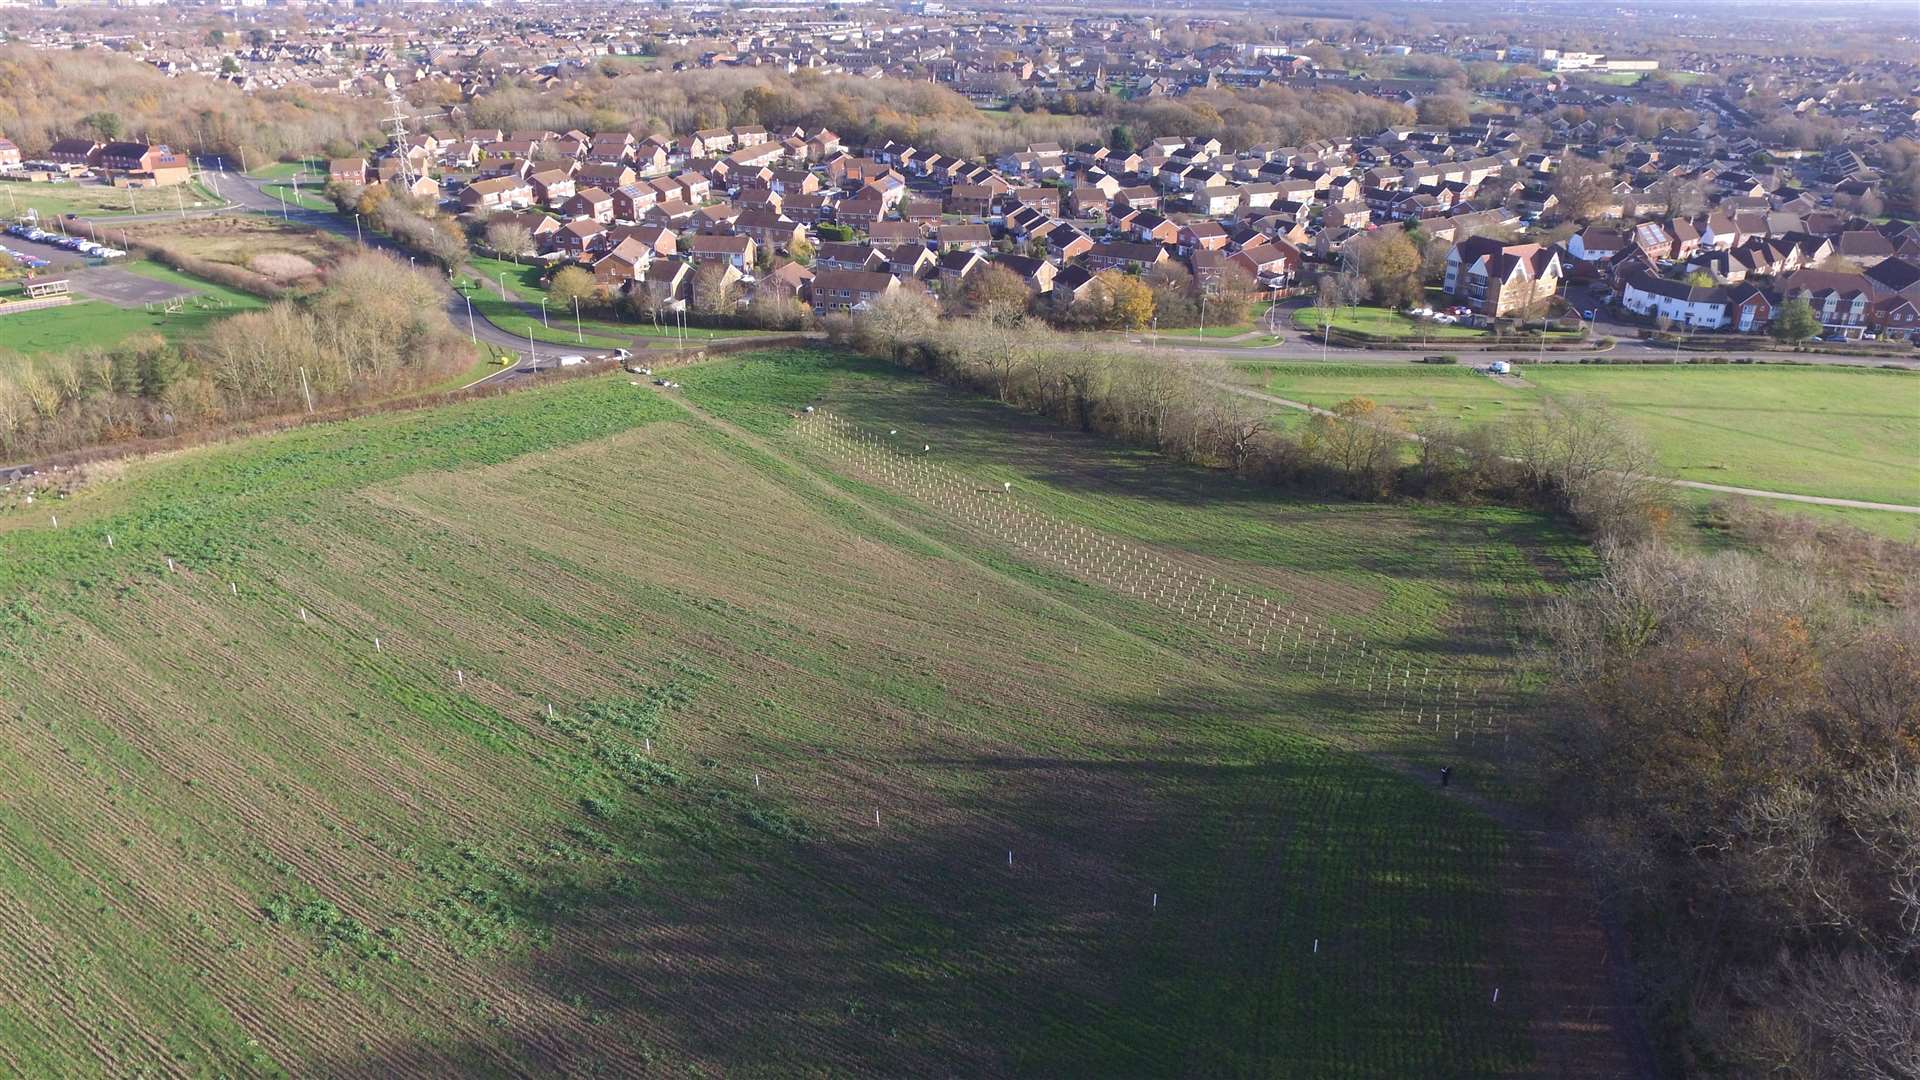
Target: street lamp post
{"points": [[473, 330], [503, 284], [577, 333], [357, 238]]}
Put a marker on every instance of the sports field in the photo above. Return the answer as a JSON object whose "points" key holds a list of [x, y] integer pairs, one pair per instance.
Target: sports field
{"points": [[1836, 431], [597, 730]]}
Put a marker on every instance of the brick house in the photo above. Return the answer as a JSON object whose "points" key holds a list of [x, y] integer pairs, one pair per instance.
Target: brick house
{"points": [[630, 203], [627, 261], [351, 171], [578, 236], [844, 290], [83, 152], [590, 203], [156, 165], [552, 187], [1497, 279]]}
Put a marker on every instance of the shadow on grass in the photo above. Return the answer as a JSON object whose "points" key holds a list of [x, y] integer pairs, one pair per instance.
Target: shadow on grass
{"points": [[1223, 899]]}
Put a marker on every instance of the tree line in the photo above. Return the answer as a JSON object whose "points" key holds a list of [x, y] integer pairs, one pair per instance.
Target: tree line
{"points": [[925, 114], [1569, 458], [376, 328]]}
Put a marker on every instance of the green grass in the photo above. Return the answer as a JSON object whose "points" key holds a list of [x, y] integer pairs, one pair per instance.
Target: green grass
{"points": [[1384, 323], [98, 200], [94, 323], [281, 170], [487, 365], [306, 197], [1845, 432], [642, 685]]}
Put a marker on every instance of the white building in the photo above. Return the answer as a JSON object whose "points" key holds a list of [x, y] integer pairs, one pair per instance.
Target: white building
{"points": [[1683, 304]]}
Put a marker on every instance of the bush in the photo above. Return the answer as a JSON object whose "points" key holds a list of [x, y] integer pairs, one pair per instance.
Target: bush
{"points": [[1741, 746]]}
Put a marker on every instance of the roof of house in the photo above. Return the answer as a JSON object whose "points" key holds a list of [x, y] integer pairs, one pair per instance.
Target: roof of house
{"points": [[852, 280]]}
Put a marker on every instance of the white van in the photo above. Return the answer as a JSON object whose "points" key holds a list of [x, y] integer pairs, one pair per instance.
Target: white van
{"points": [[571, 359]]}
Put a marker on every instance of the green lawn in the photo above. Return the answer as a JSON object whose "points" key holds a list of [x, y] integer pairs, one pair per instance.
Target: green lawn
{"points": [[1845, 432], [573, 731], [281, 170], [98, 200], [1384, 323], [96, 323], [306, 197]]}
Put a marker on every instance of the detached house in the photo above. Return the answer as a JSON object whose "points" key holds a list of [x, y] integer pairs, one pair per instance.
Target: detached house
{"points": [[1496, 279]]}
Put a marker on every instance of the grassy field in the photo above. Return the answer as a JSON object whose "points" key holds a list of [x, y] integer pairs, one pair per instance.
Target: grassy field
{"points": [[1384, 323], [307, 196], [97, 323], [579, 732], [98, 200], [1847, 432]]}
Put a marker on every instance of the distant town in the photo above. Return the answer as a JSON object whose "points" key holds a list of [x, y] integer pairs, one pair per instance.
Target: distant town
{"points": [[1700, 191]]}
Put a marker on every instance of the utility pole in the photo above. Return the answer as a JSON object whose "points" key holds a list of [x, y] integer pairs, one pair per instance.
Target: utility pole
{"points": [[578, 335]]}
